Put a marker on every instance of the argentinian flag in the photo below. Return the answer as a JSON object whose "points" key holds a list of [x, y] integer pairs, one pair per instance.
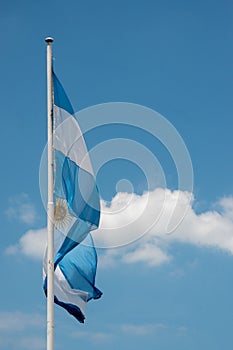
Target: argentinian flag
{"points": [[77, 211]]}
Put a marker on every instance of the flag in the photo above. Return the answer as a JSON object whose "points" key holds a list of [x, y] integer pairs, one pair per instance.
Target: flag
{"points": [[76, 213]]}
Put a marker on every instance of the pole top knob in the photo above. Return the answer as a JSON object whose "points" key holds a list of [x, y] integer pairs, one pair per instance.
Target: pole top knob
{"points": [[49, 39]]}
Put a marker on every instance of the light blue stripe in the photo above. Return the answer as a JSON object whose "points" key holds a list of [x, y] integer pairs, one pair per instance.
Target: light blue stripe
{"points": [[60, 96], [76, 203], [78, 187], [76, 234], [58, 185], [81, 192], [79, 268]]}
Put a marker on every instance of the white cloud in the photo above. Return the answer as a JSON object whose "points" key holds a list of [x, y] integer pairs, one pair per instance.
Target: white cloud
{"points": [[31, 244], [142, 252], [210, 229], [226, 203], [21, 209], [147, 253], [130, 217]]}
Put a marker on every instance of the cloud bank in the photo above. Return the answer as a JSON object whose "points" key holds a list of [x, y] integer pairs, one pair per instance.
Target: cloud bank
{"points": [[140, 228]]}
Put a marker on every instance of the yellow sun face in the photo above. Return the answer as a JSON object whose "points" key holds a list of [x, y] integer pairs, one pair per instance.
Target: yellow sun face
{"points": [[62, 216]]}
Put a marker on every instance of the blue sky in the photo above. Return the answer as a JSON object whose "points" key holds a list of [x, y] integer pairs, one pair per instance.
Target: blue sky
{"points": [[174, 57]]}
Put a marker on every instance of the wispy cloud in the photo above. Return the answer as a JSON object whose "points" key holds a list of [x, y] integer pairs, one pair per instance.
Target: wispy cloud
{"points": [[95, 337], [20, 208], [19, 330], [19, 321], [22, 342], [142, 329], [32, 343]]}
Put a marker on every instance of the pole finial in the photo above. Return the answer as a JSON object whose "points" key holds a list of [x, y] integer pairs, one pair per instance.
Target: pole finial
{"points": [[49, 39]]}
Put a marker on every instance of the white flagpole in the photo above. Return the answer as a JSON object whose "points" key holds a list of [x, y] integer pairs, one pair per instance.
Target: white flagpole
{"points": [[50, 208]]}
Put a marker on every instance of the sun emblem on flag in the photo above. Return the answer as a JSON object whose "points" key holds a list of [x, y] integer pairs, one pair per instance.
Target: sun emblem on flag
{"points": [[62, 216]]}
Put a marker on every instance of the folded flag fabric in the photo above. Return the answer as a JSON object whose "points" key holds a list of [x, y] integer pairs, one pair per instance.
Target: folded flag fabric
{"points": [[77, 212]]}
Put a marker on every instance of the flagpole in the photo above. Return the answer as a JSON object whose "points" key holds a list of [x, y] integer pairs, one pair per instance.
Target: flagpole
{"points": [[50, 208]]}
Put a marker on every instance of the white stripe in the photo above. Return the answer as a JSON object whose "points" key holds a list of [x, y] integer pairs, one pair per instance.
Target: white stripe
{"points": [[69, 140], [59, 238], [63, 291], [61, 234], [66, 294]]}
